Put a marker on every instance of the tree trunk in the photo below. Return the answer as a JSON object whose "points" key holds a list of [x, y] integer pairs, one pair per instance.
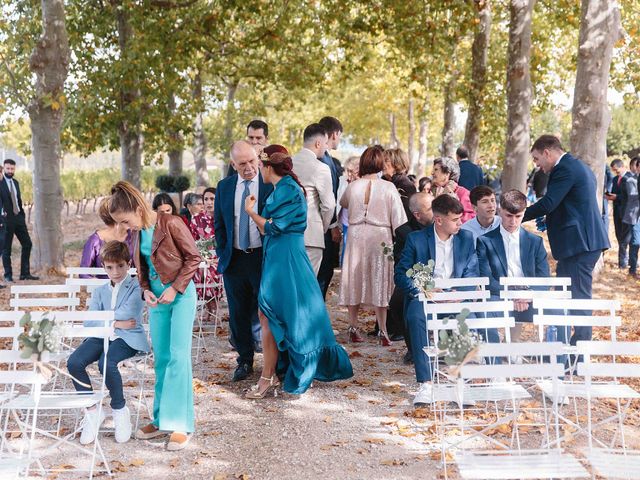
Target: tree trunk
{"points": [[49, 62], [600, 29], [410, 137], [479, 54], [448, 130], [130, 132], [199, 137], [423, 139], [393, 134], [230, 116], [175, 139], [519, 96]]}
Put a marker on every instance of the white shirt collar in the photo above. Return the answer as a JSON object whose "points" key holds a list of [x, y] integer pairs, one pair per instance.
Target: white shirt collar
{"points": [[119, 284], [560, 158], [513, 237], [444, 242], [253, 180]]}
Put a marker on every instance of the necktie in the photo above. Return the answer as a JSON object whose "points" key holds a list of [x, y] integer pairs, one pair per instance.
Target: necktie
{"points": [[14, 199], [244, 239]]}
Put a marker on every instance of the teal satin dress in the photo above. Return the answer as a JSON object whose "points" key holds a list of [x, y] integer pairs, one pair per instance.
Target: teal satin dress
{"points": [[290, 296]]}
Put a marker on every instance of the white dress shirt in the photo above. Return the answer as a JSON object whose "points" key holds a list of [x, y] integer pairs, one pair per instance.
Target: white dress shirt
{"points": [[115, 288], [511, 242], [238, 206], [444, 257]]}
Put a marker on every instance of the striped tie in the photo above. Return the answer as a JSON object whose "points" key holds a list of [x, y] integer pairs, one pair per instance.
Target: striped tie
{"points": [[244, 238]]}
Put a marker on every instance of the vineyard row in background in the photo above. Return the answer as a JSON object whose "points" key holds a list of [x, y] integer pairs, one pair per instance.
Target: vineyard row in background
{"points": [[85, 188]]}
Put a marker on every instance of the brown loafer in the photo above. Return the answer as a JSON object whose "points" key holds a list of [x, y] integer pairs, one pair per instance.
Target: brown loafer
{"points": [[177, 441], [148, 432]]}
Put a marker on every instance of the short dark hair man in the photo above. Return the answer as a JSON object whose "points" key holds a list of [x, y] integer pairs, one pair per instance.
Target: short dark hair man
{"points": [[334, 129], [620, 198], [574, 224], [470, 174], [15, 224], [483, 199], [258, 133]]}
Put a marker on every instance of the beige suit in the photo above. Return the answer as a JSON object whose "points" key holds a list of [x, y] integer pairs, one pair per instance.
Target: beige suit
{"points": [[315, 176]]}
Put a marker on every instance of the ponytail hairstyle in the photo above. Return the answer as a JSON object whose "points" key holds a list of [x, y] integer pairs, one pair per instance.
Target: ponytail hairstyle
{"points": [[278, 158], [127, 198]]}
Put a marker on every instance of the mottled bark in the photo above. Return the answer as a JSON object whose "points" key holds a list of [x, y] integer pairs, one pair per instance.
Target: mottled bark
{"points": [[230, 116], [519, 96], [411, 118], [600, 29], [393, 133], [479, 55], [448, 129], [199, 137], [49, 63], [175, 139], [423, 139]]}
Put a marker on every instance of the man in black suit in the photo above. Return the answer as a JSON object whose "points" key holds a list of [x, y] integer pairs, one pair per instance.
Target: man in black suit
{"points": [[332, 237], [3, 221], [618, 195], [15, 223], [470, 174]]}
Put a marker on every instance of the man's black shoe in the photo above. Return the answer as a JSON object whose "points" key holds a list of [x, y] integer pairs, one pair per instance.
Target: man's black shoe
{"points": [[242, 372], [257, 347], [397, 337], [407, 359], [29, 277], [3, 286], [8, 279]]}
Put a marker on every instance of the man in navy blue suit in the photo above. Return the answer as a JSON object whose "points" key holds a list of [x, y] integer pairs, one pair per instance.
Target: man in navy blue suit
{"points": [[453, 251], [239, 250], [618, 195], [574, 224], [470, 174], [511, 251]]}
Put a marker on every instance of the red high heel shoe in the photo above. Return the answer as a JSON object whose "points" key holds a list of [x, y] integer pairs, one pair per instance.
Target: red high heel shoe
{"points": [[383, 339], [354, 335]]}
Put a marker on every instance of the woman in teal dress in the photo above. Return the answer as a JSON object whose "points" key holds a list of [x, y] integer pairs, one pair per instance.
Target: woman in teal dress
{"points": [[294, 319]]}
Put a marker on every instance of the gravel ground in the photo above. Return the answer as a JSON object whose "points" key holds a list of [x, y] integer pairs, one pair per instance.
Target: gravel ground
{"points": [[361, 428]]}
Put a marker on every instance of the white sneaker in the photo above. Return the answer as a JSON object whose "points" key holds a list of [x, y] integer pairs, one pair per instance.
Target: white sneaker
{"points": [[91, 425], [424, 395], [561, 400], [122, 423]]}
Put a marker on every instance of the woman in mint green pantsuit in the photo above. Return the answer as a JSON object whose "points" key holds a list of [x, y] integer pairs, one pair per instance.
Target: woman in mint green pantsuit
{"points": [[294, 319], [166, 258]]}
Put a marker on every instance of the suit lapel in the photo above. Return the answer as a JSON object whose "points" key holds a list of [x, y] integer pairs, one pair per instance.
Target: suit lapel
{"points": [[526, 256], [431, 242], [498, 246], [126, 285]]}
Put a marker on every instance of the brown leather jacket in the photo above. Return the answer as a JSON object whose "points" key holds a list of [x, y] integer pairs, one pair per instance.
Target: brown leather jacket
{"points": [[173, 254]]}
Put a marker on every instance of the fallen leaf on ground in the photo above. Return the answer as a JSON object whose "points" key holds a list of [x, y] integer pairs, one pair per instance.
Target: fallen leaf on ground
{"points": [[375, 441], [394, 462], [136, 462]]}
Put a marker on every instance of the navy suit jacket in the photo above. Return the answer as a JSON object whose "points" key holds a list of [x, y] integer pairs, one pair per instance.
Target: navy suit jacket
{"points": [[470, 174], [421, 247], [223, 216], [619, 188], [574, 222], [492, 259]]}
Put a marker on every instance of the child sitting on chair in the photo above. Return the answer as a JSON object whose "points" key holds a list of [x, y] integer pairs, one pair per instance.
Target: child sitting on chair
{"points": [[121, 294]]}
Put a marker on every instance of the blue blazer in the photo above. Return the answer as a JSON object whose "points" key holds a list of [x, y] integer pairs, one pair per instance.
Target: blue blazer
{"points": [[492, 259], [421, 247], [129, 305], [470, 174], [574, 222], [223, 216]]}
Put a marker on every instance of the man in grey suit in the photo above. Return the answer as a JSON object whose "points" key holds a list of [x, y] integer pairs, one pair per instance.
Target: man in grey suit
{"points": [[315, 176]]}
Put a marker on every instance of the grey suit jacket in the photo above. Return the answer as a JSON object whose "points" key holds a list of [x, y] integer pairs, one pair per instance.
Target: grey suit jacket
{"points": [[632, 207], [315, 177]]}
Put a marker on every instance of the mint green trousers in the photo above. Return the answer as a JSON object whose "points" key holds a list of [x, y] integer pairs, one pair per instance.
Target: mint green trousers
{"points": [[171, 334]]}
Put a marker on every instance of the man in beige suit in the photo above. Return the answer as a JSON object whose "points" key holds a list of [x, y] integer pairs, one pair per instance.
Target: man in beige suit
{"points": [[315, 176]]}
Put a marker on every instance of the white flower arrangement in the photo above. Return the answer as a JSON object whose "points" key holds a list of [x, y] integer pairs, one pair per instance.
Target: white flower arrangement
{"points": [[422, 276], [40, 336], [206, 247]]}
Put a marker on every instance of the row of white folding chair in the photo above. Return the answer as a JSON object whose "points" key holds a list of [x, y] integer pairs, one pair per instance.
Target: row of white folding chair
{"points": [[38, 296], [500, 384], [75, 276], [35, 400]]}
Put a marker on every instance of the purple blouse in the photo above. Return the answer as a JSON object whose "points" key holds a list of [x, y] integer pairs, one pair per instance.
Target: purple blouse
{"points": [[91, 251]]}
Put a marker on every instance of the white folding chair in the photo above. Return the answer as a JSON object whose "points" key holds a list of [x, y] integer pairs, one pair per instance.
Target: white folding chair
{"points": [[76, 272], [25, 407], [610, 457], [37, 296], [480, 453]]}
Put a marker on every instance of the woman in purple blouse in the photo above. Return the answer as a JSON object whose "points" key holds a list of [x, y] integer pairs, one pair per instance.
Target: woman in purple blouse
{"points": [[93, 245]]}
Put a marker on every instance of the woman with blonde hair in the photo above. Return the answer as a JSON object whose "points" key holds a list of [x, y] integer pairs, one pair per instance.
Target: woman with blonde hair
{"points": [[167, 259]]}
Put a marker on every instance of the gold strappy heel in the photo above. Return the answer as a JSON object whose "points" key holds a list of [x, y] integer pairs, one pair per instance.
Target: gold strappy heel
{"points": [[256, 394]]}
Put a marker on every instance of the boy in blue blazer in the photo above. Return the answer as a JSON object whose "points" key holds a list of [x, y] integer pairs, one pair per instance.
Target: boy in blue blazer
{"points": [[511, 251], [121, 294]]}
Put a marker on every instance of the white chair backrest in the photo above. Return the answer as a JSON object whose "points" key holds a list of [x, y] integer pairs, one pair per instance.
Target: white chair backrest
{"points": [[19, 290], [68, 303], [11, 316], [534, 287], [499, 316], [473, 282], [33, 296], [614, 368], [563, 314], [73, 272], [527, 370]]}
